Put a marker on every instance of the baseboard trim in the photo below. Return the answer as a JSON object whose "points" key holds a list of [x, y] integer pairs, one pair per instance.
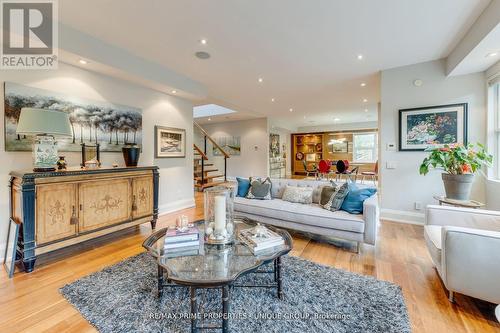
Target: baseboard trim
{"points": [[175, 206], [402, 216]]}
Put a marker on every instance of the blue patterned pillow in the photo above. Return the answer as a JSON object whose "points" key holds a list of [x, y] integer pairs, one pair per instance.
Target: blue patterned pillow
{"points": [[337, 198], [353, 203], [243, 187]]}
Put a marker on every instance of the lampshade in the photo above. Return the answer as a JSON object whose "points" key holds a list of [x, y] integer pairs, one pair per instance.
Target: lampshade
{"points": [[43, 121]]}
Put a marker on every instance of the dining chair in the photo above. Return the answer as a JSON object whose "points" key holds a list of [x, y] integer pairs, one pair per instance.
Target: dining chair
{"points": [[313, 171], [372, 174], [324, 168]]}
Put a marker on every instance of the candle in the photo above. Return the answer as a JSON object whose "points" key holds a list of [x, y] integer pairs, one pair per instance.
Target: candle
{"points": [[220, 214]]}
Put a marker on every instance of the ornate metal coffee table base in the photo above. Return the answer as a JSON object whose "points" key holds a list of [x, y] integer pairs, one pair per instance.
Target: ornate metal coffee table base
{"points": [[226, 288]]}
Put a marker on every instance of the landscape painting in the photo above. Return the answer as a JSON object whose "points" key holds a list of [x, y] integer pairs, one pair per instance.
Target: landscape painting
{"points": [[110, 125], [435, 126], [230, 144], [170, 142]]}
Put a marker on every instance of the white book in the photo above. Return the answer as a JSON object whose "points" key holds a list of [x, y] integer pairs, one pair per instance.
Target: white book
{"points": [[182, 244]]}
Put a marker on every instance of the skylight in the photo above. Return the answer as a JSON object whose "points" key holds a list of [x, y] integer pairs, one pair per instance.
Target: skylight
{"points": [[210, 110]]}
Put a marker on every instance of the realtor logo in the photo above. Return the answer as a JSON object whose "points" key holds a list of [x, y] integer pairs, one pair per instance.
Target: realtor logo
{"points": [[29, 34]]}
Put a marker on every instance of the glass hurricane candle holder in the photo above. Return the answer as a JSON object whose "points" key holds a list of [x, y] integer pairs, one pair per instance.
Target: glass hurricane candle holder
{"points": [[219, 207]]}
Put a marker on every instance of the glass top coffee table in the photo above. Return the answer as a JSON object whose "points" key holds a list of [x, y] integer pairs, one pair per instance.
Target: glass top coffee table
{"points": [[216, 266]]}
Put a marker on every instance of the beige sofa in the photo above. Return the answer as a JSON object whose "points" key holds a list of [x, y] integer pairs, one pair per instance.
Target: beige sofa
{"points": [[464, 245], [360, 228]]}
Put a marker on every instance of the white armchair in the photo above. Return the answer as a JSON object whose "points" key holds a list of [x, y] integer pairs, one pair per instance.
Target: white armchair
{"points": [[464, 245]]}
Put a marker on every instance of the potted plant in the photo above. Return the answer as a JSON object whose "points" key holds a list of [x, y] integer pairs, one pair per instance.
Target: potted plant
{"points": [[459, 163]]}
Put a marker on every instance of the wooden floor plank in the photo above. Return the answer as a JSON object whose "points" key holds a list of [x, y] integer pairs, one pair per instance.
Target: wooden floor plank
{"points": [[32, 302]]}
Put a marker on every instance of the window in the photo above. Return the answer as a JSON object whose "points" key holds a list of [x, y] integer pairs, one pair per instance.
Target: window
{"points": [[365, 147]]}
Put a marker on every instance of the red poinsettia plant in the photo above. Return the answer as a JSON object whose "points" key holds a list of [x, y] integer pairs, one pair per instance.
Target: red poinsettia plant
{"points": [[456, 159]]}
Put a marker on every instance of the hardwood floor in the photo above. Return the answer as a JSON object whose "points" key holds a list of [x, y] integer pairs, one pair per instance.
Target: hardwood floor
{"points": [[32, 303]]}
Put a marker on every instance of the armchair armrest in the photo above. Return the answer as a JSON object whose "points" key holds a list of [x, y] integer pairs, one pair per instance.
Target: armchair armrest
{"points": [[371, 218], [471, 262], [463, 217]]}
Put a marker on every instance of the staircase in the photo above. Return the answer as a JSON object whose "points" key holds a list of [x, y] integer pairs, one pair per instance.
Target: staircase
{"points": [[205, 173]]}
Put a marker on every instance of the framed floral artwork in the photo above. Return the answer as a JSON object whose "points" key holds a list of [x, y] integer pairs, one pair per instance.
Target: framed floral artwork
{"points": [[421, 128]]}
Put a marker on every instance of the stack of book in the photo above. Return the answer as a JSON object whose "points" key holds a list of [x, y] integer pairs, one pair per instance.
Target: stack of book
{"points": [[182, 241], [265, 240]]}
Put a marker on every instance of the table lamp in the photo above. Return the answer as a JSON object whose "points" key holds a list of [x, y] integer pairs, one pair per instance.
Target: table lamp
{"points": [[44, 124]]}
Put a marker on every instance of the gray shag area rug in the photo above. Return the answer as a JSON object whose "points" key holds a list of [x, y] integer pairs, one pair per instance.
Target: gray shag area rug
{"points": [[123, 298]]}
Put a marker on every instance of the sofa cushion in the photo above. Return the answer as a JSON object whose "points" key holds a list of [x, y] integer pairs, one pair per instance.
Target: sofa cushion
{"points": [[243, 186], [296, 194], [279, 185], [353, 202], [260, 189], [337, 198], [326, 194], [313, 214], [432, 235]]}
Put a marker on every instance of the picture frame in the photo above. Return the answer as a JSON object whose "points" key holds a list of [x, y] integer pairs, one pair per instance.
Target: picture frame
{"points": [[311, 157], [432, 126], [9, 261], [170, 142]]}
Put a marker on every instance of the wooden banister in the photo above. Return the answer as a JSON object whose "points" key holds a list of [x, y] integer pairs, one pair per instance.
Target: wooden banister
{"points": [[203, 155], [226, 155]]}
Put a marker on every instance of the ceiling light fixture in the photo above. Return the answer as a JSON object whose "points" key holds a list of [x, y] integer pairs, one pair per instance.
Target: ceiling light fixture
{"points": [[491, 54], [202, 55], [272, 99], [305, 117], [336, 119], [291, 110], [209, 119], [366, 110], [360, 57], [203, 41], [174, 91], [83, 61], [261, 80], [363, 84], [365, 100]]}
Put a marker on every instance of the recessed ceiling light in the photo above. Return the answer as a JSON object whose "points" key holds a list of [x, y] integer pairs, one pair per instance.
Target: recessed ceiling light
{"points": [[366, 110], [363, 84], [365, 100], [202, 55], [305, 117], [491, 54], [360, 57], [336, 119], [261, 80], [209, 119], [272, 99], [174, 91], [83, 61], [203, 41], [291, 110]]}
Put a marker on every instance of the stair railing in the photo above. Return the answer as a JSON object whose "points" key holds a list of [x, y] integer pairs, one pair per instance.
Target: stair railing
{"points": [[204, 152]]}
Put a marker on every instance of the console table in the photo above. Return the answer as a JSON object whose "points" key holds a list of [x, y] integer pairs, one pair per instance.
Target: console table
{"points": [[61, 208]]}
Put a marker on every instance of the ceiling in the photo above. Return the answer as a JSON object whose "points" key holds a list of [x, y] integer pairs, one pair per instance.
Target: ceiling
{"points": [[305, 51]]}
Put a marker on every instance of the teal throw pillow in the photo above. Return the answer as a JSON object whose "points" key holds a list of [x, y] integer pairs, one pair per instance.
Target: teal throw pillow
{"points": [[243, 187], [353, 203]]}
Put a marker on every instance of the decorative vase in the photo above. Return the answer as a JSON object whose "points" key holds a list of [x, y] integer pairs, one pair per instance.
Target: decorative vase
{"points": [[458, 187], [219, 208], [61, 164], [131, 154]]}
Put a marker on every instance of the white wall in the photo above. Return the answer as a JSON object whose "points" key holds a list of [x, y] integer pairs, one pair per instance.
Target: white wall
{"points": [[403, 186], [176, 175], [253, 134]]}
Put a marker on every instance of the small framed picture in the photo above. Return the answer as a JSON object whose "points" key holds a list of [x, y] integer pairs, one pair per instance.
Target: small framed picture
{"points": [[432, 126], [9, 261], [311, 157], [170, 142]]}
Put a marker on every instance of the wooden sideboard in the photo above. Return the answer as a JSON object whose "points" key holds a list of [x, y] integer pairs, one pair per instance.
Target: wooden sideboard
{"points": [[62, 208]]}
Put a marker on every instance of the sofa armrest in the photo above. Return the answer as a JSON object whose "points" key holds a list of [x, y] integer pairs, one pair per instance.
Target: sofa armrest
{"points": [[463, 217], [371, 218], [470, 262]]}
